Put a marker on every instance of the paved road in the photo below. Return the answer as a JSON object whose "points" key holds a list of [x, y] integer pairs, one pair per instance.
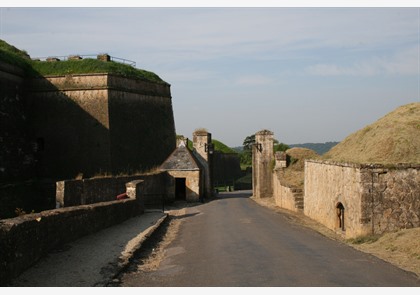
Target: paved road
{"points": [[233, 241]]}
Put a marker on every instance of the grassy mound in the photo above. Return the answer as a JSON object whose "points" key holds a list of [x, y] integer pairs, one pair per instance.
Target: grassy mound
{"points": [[395, 138], [90, 65], [12, 55], [221, 147], [294, 174]]}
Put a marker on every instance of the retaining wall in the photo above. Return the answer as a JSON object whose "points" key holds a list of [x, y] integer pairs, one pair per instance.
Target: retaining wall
{"points": [[94, 190], [25, 239], [391, 197], [286, 196], [376, 198]]}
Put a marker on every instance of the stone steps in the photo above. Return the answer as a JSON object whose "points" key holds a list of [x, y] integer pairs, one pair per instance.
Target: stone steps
{"points": [[299, 200]]}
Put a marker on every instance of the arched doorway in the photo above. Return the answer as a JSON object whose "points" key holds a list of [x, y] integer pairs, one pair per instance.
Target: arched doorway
{"points": [[340, 215]]}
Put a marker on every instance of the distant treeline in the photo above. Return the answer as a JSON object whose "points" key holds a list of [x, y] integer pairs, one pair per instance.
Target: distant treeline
{"points": [[320, 148]]}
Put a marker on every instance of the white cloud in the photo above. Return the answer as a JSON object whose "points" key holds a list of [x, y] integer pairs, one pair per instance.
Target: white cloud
{"points": [[403, 63], [178, 34], [210, 55]]}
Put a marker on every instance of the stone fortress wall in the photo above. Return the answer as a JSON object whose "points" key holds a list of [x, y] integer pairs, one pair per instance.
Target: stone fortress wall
{"points": [[16, 153], [100, 123], [350, 199], [376, 199], [76, 126]]}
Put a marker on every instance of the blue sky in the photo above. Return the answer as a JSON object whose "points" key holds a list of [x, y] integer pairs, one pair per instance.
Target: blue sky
{"points": [[309, 74]]}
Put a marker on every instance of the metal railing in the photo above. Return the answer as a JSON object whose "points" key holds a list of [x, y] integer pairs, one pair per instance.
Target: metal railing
{"points": [[83, 56], [124, 61]]}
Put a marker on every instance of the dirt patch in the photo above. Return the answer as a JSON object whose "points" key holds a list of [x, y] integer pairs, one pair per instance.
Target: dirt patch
{"points": [[401, 248], [152, 261], [153, 250]]}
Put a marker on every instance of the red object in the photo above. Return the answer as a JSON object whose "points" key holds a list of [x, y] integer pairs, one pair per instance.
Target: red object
{"points": [[122, 196]]}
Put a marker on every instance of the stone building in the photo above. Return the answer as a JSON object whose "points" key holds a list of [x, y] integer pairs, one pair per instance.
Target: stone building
{"points": [[187, 174], [191, 170]]}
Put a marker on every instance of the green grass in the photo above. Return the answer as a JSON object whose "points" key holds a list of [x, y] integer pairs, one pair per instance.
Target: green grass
{"points": [[221, 147], [218, 146], [364, 239], [11, 55], [245, 166], [89, 65]]}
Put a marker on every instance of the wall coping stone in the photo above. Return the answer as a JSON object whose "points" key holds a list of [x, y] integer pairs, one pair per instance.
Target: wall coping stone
{"points": [[398, 166]]}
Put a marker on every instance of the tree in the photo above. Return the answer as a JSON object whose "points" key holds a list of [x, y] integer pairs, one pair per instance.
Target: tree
{"points": [[246, 155], [280, 147], [248, 142]]}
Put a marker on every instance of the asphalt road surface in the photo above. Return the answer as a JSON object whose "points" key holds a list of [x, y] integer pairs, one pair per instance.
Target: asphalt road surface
{"points": [[234, 242]]}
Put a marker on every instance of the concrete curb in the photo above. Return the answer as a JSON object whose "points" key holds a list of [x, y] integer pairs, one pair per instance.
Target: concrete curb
{"points": [[135, 245]]}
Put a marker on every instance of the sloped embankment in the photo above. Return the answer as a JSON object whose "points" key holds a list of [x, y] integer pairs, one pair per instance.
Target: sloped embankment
{"points": [[394, 138], [293, 175]]}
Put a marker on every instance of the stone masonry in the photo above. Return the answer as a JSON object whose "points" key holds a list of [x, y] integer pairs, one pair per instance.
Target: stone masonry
{"points": [[114, 123], [374, 199], [351, 199], [262, 164], [203, 152]]}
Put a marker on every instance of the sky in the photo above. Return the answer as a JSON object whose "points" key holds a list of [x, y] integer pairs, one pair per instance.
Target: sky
{"points": [[306, 73]]}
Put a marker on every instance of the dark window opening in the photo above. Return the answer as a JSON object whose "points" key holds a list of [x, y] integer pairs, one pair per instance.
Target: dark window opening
{"points": [[340, 215], [180, 189]]}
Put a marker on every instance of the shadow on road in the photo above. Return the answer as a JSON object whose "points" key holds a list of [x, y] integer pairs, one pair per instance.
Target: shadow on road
{"points": [[184, 215], [235, 194]]}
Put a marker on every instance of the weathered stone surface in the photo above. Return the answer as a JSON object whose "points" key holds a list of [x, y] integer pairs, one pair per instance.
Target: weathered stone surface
{"points": [[114, 122], [202, 146], [262, 164], [105, 189], [286, 196], [17, 156], [25, 239], [376, 199], [326, 186]]}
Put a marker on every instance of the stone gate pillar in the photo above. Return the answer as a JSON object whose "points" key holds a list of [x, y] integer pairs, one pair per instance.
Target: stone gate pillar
{"points": [[262, 162], [203, 149]]}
